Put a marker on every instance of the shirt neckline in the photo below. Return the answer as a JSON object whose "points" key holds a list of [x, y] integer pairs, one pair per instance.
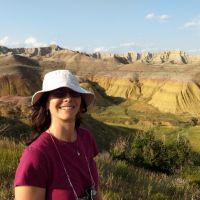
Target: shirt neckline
{"points": [[62, 142]]}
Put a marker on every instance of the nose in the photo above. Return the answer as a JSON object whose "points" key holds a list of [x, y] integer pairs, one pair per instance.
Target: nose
{"points": [[67, 95]]}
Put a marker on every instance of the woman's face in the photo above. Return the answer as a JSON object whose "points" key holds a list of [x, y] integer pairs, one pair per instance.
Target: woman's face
{"points": [[64, 104]]}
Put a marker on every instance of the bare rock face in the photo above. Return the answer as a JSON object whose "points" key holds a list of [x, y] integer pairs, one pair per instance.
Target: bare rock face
{"points": [[194, 59], [114, 58], [4, 50], [164, 57], [172, 57], [166, 95], [40, 51], [131, 57], [22, 82], [168, 81], [19, 75], [118, 87], [177, 97], [7, 60], [103, 56]]}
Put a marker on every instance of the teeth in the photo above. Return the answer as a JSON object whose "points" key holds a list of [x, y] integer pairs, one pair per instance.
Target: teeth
{"points": [[67, 107]]}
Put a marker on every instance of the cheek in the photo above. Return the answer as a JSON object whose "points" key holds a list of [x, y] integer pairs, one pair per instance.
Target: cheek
{"points": [[53, 104]]}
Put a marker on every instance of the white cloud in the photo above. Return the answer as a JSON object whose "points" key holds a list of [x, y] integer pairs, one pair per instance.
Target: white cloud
{"points": [[163, 17], [4, 41], [100, 49], [153, 16], [195, 23], [150, 49], [125, 47], [128, 44], [32, 42], [118, 48], [150, 16], [28, 42]]}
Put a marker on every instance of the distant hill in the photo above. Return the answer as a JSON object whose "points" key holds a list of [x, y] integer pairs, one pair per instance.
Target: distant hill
{"points": [[168, 80], [40, 51], [163, 57]]}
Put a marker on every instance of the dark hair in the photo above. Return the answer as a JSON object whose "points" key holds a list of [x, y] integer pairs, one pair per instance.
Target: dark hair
{"points": [[41, 118]]}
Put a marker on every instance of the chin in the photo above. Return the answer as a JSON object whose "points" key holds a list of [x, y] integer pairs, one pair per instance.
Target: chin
{"points": [[68, 119]]}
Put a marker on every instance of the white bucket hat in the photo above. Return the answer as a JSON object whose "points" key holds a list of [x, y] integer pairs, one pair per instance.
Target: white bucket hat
{"points": [[62, 78]]}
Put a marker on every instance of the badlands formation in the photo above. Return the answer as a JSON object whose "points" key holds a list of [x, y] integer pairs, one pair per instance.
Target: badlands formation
{"points": [[168, 80]]}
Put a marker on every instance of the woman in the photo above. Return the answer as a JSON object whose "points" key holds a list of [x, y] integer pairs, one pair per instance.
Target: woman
{"points": [[58, 164]]}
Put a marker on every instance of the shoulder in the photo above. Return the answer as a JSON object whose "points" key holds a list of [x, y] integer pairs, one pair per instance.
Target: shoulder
{"points": [[33, 155], [88, 140], [41, 144], [34, 165], [85, 133], [38, 149]]}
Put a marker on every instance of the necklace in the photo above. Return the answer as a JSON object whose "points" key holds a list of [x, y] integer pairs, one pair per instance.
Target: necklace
{"points": [[66, 172]]}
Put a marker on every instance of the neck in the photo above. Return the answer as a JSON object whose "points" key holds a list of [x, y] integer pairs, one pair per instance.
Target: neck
{"points": [[66, 132]]}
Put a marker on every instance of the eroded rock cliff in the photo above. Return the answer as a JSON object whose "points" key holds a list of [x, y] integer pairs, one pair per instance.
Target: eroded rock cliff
{"points": [[169, 80], [173, 96], [163, 57]]}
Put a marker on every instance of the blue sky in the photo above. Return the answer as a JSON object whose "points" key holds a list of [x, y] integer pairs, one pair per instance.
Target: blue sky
{"points": [[104, 25]]}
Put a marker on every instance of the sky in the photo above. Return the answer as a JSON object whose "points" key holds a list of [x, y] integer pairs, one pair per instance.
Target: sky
{"points": [[115, 26]]}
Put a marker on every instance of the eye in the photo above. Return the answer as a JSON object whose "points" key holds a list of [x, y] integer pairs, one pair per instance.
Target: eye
{"points": [[73, 93], [61, 93], [58, 94]]}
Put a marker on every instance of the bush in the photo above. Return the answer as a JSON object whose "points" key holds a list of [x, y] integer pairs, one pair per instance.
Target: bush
{"points": [[194, 121], [144, 150], [159, 196]]}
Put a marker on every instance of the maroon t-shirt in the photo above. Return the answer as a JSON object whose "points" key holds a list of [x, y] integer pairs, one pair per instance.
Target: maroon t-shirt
{"points": [[41, 166]]}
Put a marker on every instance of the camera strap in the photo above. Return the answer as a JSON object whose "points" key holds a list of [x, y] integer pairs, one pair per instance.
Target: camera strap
{"points": [[66, 172]]}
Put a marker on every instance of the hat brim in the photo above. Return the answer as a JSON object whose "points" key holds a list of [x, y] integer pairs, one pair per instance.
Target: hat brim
{"points": [[88, 96]]}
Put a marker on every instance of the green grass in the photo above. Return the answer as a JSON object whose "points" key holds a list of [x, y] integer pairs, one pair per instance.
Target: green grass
{"points": [[192, 174], [9, 157], [192, 133], [124, 182], [118, 180], [132, 115], [166, 127]]}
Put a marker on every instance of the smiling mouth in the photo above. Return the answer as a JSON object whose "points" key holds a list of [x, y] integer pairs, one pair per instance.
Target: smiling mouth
{"points": [[67, 107]]}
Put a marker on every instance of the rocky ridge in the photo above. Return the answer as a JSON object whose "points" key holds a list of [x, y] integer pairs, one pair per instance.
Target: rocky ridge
{"points": [[40, 51], [163, 57], [169, 81]]}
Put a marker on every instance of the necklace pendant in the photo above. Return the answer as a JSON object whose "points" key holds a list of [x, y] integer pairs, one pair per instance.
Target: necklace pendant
{"points": [[78, 153]]}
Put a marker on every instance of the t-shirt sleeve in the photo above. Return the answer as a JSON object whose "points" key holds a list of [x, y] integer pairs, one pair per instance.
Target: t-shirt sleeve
{"points": [[32, 169]]}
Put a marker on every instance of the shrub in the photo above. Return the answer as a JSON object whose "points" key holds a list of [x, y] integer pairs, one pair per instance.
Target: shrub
{"points": [[159, 196], [194, 121], [144, 150]]}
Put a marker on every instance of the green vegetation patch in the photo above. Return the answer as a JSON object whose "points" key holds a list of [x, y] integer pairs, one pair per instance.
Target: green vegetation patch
{"points": [[124, 182]]}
